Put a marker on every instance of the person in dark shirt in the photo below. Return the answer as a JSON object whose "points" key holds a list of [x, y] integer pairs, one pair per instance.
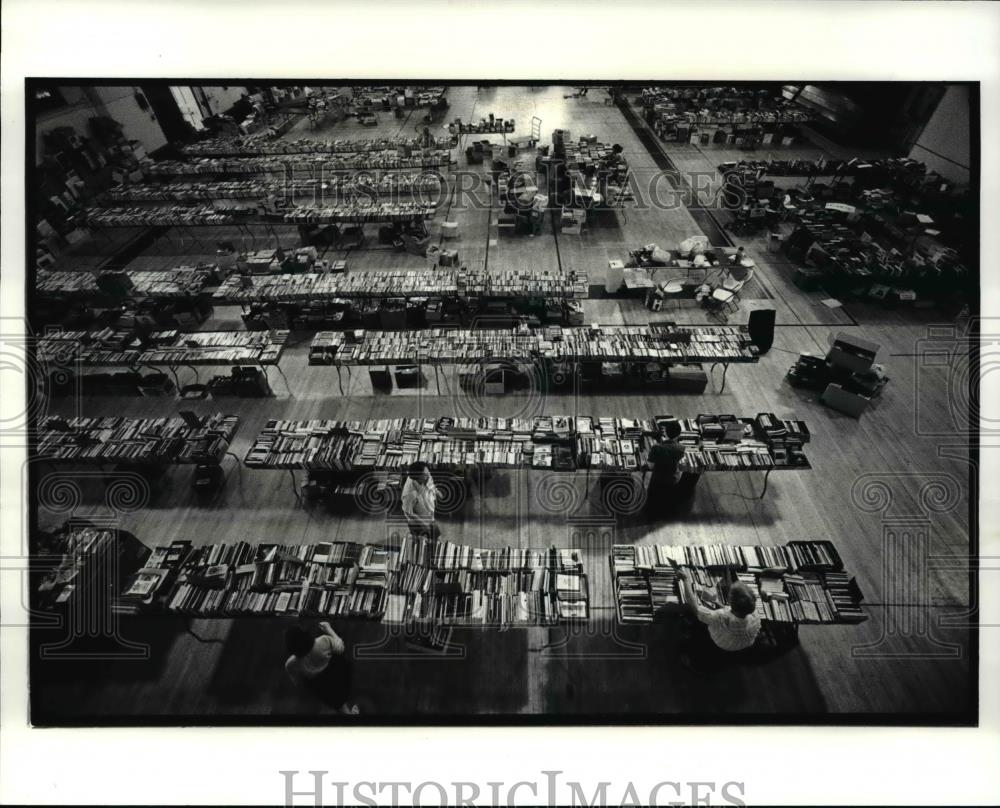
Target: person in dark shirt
{"points": [[666, 473], [426, 139]]}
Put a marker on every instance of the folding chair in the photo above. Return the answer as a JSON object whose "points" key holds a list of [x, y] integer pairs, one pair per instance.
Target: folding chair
{"points": [[725, 299]]}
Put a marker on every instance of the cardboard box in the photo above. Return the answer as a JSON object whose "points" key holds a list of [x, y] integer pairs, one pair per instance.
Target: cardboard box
{"points": [[839, 399], [688, 379], [807, 279]]}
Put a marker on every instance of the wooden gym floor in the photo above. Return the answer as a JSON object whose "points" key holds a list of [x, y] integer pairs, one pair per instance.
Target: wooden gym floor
{"points": [[911, 660]]}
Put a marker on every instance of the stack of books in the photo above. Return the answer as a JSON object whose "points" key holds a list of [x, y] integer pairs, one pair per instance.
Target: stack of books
{"points": [[526, 283], [469, 285], [492, 126], [313, 286], [136, 441], [85, 553], [173, 216], [647, 586], [374, 213], [177, 282], [170, 283], [296, 190], [149, 584], [109, 348], [66, 283]]}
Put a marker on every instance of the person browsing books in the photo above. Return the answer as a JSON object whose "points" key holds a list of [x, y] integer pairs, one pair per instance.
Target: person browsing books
{"points": [[319, 665], [665, 462], [733, 629], [420, 500], [426, 139]]}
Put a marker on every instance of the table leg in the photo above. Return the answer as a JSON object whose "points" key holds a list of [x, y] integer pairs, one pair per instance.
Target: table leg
{"points": [[725, 370], [225, 478], [281, 373], [586, 485], [340, 380], [295, 488], [267, 378], [177, 381], [766, 475]]}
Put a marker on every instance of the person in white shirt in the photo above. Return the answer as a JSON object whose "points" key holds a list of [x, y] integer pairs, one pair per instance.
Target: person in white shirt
{"points": [[319, 665], [733, 629], [420, 500]]}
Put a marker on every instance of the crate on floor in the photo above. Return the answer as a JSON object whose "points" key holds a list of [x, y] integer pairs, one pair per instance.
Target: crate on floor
{"points": [[408, 376], [807, 279], [381, 379], [688, 379]]}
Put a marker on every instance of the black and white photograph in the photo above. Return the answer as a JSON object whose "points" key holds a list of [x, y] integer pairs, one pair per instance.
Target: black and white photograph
{"points": [[434, 402], [515, 394]]}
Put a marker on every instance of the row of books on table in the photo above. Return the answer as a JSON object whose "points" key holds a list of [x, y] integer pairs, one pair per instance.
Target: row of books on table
{"points": [[142, 441], [165, 283], [824, 240], [80, 554], [375, 212], [801, 556], [116, 347], [173, 216], [369, 602], [735, 97], [292, 189], [178, 216], [66, 345], [414, 580], [647, 585], [316, 164], [311, 286], [607, 343], [713, 428], [482, 127], [524, 283], [890, 166], [711, 443], [388, 97], [223, 146], [287, 560]]}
